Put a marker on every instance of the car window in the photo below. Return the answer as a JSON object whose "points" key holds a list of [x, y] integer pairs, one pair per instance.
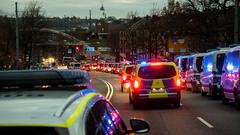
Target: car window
{"points": [[129, 70], [184, 64], [157, 72], [199, 63], [220, 62], [190, 63], [105, 120]]}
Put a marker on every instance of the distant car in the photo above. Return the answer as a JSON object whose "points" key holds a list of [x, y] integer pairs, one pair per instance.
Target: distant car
{"points": [[212, 71], [155, 80], [230, 79], [94, 66], [54, 103], [125, 78], [74, 65], [87, 67]]}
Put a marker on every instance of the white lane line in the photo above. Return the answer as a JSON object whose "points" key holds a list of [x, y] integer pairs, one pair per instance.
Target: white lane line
{"points": [[111, 94], [205, 122], [108, 92]]}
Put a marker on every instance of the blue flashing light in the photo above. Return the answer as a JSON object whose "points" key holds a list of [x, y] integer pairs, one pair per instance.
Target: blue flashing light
{"points": [[143, 63], [87, 91], [230, 67], [209, 67]]}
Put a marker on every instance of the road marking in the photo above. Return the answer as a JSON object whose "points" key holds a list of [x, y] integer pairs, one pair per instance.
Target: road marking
{"points": [[205, 122], [110, 89], [111, 94]]}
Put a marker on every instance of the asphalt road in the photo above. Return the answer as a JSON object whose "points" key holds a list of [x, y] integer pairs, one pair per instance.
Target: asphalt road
{"points": [[197, 115]]}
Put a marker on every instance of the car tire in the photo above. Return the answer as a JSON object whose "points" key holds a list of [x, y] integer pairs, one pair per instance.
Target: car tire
{"points": [[213, 93], [130, 98], [194, 88], [135, 104], [177, 104], [237, 101], [203, 93], [224, 99]]}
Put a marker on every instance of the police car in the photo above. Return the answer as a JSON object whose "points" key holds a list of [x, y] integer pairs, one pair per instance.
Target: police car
{"points": [[57, 102], [155, 80], [212, 71], [125, 77], [230, 81]]}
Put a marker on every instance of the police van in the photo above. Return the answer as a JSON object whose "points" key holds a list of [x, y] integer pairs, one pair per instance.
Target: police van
{"points": [[181, 62], [194, 68], [230, 81], [212, 71]]}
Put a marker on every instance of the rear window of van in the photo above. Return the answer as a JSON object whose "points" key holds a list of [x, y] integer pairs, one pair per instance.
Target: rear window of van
{"points": [[157, 72]]}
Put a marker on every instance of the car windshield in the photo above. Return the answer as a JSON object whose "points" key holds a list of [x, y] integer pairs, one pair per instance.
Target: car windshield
{"points": [[157, 72]]}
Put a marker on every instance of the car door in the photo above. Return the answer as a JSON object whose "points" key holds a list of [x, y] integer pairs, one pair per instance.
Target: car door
{"points": [[103, 119]]}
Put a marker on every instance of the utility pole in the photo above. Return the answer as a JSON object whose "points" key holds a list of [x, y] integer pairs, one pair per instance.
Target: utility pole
{"points": [[236, 22], [17, 37]]}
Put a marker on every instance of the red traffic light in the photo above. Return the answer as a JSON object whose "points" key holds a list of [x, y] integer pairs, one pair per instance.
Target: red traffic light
{"points": [[77, 48]]}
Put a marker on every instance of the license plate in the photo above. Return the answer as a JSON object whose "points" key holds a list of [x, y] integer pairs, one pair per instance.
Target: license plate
{"points": [[158, 90]]}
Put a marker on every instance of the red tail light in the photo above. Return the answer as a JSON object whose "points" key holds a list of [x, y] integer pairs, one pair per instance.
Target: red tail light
{"points": [[136, 84], [178, 82], [124, 77]]}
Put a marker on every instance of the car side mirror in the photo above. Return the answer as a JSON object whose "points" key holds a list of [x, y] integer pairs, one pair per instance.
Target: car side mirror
{"points": [[139, 126]]}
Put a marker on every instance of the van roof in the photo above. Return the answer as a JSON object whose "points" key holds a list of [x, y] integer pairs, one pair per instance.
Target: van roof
{"points": [[235, 48]]}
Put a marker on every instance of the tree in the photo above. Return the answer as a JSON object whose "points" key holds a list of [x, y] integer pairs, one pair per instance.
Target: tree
{"points": [[7, 41], [32, 21]]}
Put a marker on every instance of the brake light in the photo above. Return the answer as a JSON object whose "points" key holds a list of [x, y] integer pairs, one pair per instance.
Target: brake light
{"points": [[178, 82], [136, 84], [124, 78], [155, 63], [229, 75]]}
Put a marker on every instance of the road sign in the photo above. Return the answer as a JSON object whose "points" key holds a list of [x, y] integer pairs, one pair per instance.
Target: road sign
{"points": [[69, 50], [90, 49]]}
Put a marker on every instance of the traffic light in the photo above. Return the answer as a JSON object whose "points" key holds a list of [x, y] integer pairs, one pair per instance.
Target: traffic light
{"points": [[77, 49]]}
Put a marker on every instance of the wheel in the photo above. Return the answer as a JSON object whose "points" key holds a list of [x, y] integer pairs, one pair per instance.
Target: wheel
{"points": [[135, 104], [213, 93], [237, 101], [203, 93], [130, 99], [194, 88], [177, 104], [224, 99]]}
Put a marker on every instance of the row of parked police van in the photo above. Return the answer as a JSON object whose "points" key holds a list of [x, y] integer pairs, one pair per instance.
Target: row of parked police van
{"points": [[215, 73]]}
